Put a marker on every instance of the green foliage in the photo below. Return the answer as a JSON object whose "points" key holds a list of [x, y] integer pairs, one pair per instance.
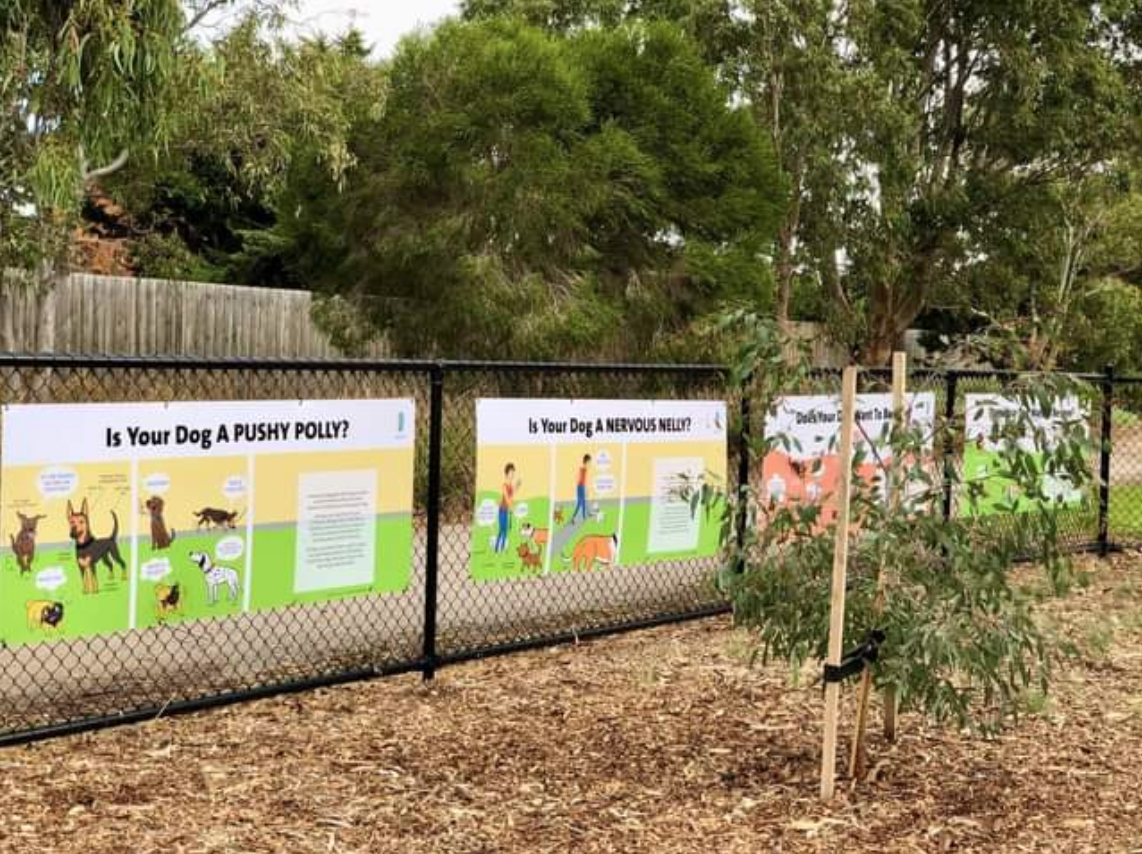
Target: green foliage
{"points": [[529, 192], [925, 143], [962, 641], [1106, 328], [82, 86], [166, 256], [257, 156]]}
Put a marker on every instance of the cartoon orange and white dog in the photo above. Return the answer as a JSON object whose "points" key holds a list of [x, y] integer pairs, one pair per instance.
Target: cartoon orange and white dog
{"points": [[592, 551]]}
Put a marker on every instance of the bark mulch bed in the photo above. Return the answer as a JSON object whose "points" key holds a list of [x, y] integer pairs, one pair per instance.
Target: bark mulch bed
{"points": [[660, 741]]}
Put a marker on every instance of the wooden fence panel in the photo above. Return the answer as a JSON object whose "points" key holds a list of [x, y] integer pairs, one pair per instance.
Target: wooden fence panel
{"points": [[140, 317]]}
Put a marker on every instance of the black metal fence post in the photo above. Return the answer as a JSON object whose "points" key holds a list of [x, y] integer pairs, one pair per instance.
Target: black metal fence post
{"points": [[952, 383], [1104, 462], [743, 480], [432, 508]]}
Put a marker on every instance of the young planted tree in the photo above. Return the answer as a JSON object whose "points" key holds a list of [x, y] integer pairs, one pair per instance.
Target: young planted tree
{"points": [[960, 640]]}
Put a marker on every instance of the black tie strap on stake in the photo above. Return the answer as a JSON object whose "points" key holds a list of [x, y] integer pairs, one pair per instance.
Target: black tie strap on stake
{"points": [[855, 660]]}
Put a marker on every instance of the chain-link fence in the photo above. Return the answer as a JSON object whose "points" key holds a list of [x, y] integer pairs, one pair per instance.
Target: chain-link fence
{"points": [[443, 616]]}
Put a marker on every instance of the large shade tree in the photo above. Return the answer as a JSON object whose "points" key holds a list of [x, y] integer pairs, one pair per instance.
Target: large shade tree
{"points": [[529, 192], [908, 129], [84, 89]]}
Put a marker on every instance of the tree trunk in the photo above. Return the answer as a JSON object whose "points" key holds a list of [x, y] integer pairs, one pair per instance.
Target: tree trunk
{"points": [[892, 316], [784, 264]]}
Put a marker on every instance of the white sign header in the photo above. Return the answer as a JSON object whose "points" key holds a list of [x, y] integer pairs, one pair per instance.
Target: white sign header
{"points": [[524, 421], [41, 434]]}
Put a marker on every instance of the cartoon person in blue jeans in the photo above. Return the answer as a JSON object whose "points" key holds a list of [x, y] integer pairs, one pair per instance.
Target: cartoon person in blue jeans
{"points": [[507, 501], [581, 490]]}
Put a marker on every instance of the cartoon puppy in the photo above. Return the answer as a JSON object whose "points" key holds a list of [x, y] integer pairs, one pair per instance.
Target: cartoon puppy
{"points": [[531, 560], [24, 543], [44, 614], [161, 538], [168, 600], [216, 576]]}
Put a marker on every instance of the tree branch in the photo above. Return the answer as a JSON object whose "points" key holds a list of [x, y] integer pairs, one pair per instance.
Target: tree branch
{"points": [[111, 168], [204, 12]]}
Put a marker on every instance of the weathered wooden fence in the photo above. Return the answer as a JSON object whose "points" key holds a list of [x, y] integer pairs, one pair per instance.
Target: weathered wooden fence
{"points": [[143, 317], [128, 316]]}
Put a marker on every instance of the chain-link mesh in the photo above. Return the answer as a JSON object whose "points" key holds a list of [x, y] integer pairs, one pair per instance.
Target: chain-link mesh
{"points": [[1125, 493], [75, 683], [473, 616]]}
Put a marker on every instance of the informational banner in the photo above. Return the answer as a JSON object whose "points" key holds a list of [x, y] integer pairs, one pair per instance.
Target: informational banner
{"points": [[984, 450], [123, 516], [803, 466], [584, 485]]}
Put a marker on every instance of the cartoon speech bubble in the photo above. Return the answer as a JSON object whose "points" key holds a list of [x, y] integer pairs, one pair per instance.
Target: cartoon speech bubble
{"points": [[605, 484], [58, 482], [603, 458], [155, 569], [776, 489], [234, 486], [157, 483], [51, 578], [521, 510], [486, 513], [229, 548]]}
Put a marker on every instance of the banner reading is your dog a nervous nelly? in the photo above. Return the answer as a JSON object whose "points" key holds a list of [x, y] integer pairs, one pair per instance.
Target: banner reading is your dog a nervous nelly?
{"points": [[803, 466], [123, 516], [985, 448], [585, 485]]}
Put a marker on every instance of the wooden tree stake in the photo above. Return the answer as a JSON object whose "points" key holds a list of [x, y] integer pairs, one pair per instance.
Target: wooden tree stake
{"points": [[840, 571], [857, 756]]}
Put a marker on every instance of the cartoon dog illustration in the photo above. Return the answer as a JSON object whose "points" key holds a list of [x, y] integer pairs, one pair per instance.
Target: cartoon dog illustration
{"points": [[90, 550], [216, 576], [168, 600], [44, 614], [530, 534], [595, 549], [212, 517], [531, 560], [24, 543], [161, 538], [558, 515]]}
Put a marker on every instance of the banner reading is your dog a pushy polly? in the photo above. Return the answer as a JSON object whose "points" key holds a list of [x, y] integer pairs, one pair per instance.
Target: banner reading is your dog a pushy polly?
{"points": [[587, 485], [123, 516]]}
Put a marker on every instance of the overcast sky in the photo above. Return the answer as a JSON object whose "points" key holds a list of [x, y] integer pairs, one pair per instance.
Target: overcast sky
{"points": [[383, 21]]}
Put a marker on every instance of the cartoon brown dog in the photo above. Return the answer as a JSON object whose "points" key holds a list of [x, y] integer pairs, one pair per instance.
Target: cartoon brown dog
{"points": [[90, 550], [161, 538], [212, 517], [531, 560], [24, 543]]}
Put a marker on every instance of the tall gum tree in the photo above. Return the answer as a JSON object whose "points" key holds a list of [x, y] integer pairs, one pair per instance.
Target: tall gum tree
{"points": [[902, 125]]}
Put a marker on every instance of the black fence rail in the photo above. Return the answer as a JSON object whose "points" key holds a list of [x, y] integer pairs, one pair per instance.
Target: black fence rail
{"points": [[443, 616]]}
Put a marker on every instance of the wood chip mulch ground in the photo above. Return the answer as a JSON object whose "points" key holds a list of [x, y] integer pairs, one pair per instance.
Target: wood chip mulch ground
{"points": [[659, 741]]}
